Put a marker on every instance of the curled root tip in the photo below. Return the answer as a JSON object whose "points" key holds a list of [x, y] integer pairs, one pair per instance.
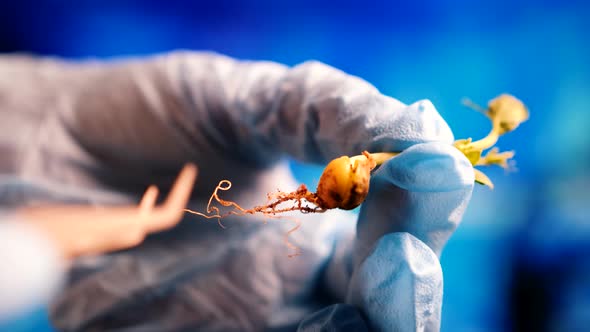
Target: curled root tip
{"points": [[301, 200], [220, 223]]}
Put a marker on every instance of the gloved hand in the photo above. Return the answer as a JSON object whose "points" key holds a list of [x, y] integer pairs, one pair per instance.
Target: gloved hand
{"points": [[101, 132]]}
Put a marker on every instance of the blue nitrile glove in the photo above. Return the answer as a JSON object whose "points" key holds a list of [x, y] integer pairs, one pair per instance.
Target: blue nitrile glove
{"points": [[104, 131], [416, 202]]}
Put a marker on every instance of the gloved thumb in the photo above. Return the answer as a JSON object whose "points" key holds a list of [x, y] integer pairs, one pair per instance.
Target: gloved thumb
{"points": [[423, 191], [399, 286]]}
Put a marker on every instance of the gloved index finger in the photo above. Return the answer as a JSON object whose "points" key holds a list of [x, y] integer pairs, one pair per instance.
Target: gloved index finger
{"points": [[256, 111], [195, 106], [323, 113]]}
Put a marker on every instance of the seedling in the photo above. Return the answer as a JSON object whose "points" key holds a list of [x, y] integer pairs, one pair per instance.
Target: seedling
{"points": [[344, 183]]}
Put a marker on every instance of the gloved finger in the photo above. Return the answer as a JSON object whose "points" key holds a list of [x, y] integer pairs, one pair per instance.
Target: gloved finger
{"points": [[323, 113], [337, 317], [423, 191], [194, 106], [224, 115], [399, 286], [258, 110]]}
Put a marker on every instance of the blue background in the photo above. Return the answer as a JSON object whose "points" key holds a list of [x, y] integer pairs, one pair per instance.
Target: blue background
{"points": [[519, 260]]}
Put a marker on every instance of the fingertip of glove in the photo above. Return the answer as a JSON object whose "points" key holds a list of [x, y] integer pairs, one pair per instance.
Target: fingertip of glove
{"points": [[401, 126], [429, 167], [432, 126]]}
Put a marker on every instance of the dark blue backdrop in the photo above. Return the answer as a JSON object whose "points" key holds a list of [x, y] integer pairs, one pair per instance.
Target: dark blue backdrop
{"points": [[518, 257]]}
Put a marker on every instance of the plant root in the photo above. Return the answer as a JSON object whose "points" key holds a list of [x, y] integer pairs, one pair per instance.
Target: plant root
{"points": [[301, 200]]}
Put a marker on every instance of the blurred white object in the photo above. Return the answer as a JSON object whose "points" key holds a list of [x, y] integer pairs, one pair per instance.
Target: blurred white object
{"points": [[32, 269]]}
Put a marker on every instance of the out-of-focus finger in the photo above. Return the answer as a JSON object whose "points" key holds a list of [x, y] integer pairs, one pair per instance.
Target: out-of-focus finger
{"points": [[167, 215], [148, 201], [182, 188], [87, 230]]}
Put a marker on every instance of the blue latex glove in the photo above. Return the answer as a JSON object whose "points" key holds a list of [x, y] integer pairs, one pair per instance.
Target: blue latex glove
{"points": [[103, 132], [416, 202]]}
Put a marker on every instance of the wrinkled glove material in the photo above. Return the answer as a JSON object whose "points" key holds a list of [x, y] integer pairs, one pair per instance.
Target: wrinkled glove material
{"points": [[101, 132]]}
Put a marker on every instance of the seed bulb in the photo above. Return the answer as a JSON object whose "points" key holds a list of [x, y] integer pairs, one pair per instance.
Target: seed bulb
{"points": [[345, 181]]}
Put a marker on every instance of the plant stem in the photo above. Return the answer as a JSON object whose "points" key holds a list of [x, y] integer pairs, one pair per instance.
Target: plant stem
{"points": [[486, 142], [381, 157]]}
